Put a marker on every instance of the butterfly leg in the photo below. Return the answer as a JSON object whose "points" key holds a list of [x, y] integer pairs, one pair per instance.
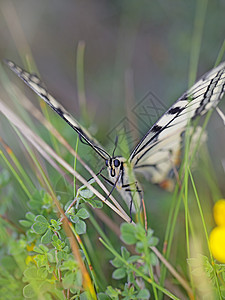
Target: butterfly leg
{"points": [[107, 180], [110, 182], [99, 173], [137, 189]]}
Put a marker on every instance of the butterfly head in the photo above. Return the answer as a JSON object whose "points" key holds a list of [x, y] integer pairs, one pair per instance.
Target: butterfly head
{"points": [[114, 165]]}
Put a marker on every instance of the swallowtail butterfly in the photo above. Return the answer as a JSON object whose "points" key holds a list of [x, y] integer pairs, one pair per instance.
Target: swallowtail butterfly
{"points": [[159, 150]]}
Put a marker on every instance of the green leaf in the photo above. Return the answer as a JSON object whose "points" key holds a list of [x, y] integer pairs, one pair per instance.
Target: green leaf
{"points": [[41, 219], [41, 261], [125, 253], [116, 262], [41, 249], [56, 225], [143, 294], [140, 232], [57, 243], [40, 225], [129, 292], [83, 213], [95, 203], [25, 223], [47, 237], [102, 296], [28, 291], [113, 293], [30, 216], [133, 259], [119, 273], [39, 228], [128, 233], [87, 194], [38, 250], [80, 227], [74, 219]]}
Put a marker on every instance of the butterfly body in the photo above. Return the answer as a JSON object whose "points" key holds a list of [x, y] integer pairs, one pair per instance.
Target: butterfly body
{"points": [[158, 153], [121, 175]]}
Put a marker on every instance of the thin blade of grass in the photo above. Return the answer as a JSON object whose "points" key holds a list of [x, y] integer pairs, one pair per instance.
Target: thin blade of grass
{"points": [[206, 233], [34, 139], [25, 177], [17, 176]]}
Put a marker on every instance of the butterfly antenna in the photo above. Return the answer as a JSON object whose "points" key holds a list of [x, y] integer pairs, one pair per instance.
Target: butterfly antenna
{"points": [[116, 143]]}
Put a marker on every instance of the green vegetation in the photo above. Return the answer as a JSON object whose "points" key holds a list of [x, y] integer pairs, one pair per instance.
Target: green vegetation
{"points": [[59, 236]]}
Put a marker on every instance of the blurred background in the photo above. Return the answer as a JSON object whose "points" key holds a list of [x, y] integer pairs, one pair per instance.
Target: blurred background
{"points": [[131, 48], [151, 39]]}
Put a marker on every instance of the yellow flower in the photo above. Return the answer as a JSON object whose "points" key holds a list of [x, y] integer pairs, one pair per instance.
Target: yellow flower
{"points": [[30, 247], [217, 235], [217, 243], [30, 259], [219, 212]]}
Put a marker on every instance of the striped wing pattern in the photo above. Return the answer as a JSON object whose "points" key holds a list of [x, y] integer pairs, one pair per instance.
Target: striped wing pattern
{"points": [[159, 149], [37, 86]]}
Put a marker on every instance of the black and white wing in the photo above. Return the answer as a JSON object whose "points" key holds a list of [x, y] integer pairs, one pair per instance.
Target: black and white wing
{"points": [[159, 150], [37, 86]]}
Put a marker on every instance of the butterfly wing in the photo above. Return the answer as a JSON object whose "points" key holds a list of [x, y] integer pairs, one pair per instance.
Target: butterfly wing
{"points": [[37, 86], [159, 150]]}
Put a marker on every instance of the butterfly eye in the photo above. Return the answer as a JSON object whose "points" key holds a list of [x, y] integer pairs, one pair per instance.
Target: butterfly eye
{"points": [[107, 162], [116, 163]]}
